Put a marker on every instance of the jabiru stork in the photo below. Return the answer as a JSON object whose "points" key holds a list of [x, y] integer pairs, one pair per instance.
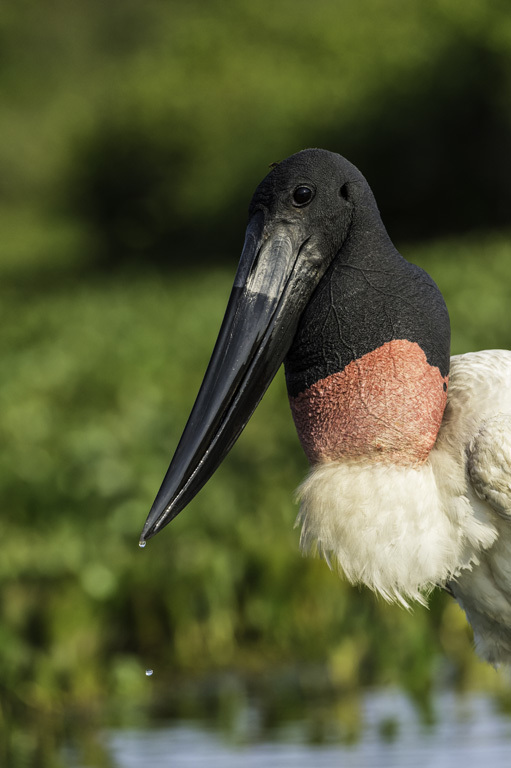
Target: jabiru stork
{"points": [[410, 450]]}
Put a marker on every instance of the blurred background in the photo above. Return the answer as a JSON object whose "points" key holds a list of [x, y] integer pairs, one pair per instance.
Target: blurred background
{"points": [[132, 135]]}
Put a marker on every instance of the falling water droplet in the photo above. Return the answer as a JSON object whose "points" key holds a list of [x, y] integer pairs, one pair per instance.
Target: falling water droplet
{"points": [[142, 543], [149, 672]]}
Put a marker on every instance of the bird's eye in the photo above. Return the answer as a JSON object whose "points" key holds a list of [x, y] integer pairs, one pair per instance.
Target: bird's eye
{"points": [[302, 195]]}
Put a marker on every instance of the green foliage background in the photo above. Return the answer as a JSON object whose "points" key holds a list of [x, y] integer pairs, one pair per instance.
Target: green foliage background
{"points": [[133, 135]]}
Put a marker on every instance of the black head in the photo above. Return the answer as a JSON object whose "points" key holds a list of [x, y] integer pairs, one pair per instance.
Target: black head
{"points": [[316, 192]]}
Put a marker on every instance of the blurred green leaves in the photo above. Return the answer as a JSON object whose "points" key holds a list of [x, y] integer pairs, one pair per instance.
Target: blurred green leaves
{"points": [[136, 131], [101, 375]]}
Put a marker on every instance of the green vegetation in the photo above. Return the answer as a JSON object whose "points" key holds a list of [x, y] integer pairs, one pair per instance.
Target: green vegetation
{"points": [[142, 127], [102, 373], [132, 137]]}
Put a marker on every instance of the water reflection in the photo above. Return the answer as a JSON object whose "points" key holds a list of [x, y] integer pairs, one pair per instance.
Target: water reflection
{"points": [[233, 722], [394, 733]]}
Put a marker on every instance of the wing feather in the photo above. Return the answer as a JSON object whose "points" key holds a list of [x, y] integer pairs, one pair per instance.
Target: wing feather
{"points": [[489, 463]]}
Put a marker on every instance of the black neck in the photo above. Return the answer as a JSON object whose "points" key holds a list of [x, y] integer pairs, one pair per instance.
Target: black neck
{"points": [[370, 295]]}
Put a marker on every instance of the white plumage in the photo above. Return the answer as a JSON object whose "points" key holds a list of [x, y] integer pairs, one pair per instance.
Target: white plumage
{"points": [[404, 530]]}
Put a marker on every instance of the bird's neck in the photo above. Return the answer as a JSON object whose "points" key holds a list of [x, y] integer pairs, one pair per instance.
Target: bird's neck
{"points": [[367, 371]]}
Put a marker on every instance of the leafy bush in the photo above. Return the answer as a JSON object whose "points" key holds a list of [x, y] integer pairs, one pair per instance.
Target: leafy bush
{"points": [[101, 375]]}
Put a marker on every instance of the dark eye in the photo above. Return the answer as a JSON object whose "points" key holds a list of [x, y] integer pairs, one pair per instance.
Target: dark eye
{"points": [[302, 195]]}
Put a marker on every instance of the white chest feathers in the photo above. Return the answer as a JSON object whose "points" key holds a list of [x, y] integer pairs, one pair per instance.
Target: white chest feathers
{"points": [[396, 529], [403, 530]]}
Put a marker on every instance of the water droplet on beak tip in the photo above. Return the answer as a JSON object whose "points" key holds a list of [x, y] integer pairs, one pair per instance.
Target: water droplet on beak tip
{"points": [[149, 672], [142, 543]]}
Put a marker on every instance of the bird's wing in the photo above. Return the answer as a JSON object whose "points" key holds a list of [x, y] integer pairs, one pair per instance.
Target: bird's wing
{"points": [[489, 463]]}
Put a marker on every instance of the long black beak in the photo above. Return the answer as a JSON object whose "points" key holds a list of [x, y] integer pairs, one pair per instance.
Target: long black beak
{"points": [[271, 288]]}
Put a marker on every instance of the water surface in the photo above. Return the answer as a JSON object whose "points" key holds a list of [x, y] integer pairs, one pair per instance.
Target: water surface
{"points": [[467, 731]]}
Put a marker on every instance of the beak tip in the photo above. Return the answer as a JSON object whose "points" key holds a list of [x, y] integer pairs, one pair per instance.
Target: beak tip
{"points": [[151, 527], [158, 517]]}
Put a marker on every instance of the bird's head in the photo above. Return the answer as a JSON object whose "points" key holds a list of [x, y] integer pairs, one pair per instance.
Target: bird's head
{"points": [[313, 226], [309, 198]]}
